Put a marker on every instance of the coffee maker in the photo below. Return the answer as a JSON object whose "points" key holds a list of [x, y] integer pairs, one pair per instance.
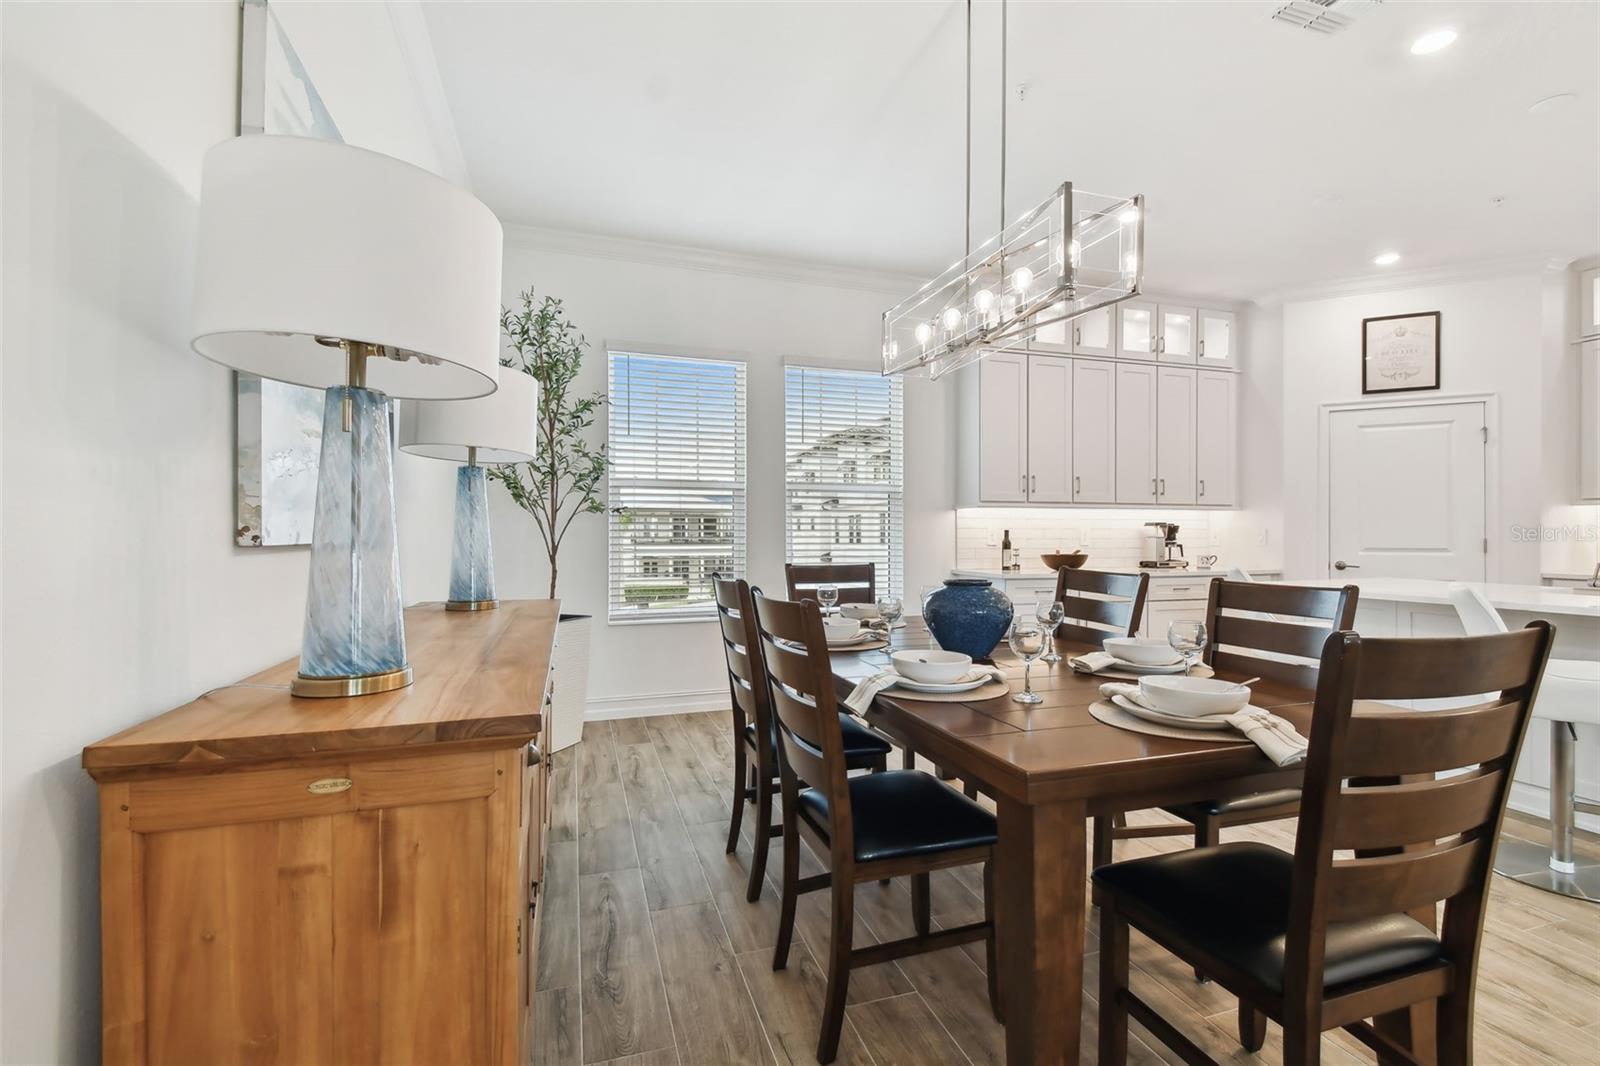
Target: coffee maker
{"points": [[1163, 552]]}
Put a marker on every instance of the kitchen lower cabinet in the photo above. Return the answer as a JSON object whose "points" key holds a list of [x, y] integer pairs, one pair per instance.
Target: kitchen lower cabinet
{"points": [[1136, 433], [1050, 424], [1216, 438], [1094, 453], [1175, 442], [1175, 599]]}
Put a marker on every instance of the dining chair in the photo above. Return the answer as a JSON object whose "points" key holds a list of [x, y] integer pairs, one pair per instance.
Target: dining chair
{"points": [[1317, 940], [1100, 604], [868, 828], [755, 754], [857, 582], [1261, 630]]}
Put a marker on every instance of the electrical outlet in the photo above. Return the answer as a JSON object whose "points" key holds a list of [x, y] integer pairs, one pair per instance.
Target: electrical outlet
{"points": [[994, 539], [1261, 539]]}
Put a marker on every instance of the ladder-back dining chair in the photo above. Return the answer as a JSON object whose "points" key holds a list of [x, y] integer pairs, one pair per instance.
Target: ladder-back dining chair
{"points": [[1316, 940], [755, 756], [866, 828], [1270, 631], [857, 582], [1100, 604]]}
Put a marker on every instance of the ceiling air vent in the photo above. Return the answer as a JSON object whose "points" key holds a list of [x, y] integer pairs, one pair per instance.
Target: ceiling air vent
{"points": [[1321, 16]]}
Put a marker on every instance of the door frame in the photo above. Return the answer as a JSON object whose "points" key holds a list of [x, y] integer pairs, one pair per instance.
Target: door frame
{"points": [[1491, 463]]}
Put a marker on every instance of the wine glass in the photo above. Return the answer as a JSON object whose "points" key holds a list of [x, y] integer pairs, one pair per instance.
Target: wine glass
{"points": [[828, 596], [889, 610], [1050, 614], [1187, 639], [1027, 641]]}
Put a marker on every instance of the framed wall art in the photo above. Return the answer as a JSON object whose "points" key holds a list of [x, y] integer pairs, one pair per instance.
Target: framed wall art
{"points": [[1400, 353]]}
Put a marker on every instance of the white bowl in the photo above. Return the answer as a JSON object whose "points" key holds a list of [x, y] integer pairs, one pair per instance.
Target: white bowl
{"points": [[1142, 650], [861, 611], [1193, 697], [932, 667], [838, 629]]}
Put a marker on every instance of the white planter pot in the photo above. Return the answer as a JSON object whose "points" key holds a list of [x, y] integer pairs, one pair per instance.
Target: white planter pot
{"points": [[570, 667]]}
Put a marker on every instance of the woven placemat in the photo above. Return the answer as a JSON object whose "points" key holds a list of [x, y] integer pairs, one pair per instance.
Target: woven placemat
{"points": [[983, 692], [1200, 670], [1111, 714], [870, 645]]}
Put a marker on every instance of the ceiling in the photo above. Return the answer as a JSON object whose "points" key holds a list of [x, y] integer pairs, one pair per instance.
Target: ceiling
{"points": [[1272, 158]]}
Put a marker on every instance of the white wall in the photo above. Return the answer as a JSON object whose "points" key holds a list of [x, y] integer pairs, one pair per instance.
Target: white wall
{"points": [[1492, 331], [764, 320], [124, 593]]}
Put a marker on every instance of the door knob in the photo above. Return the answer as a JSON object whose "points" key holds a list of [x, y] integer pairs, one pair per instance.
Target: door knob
{"points": [[1340, 564]]}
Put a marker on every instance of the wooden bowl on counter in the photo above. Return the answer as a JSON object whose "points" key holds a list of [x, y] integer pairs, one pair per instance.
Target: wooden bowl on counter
{"points": [[1071, 560]]}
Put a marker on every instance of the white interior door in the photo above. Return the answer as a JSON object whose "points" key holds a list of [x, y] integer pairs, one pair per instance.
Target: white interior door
{"points": [[1406, 492], [1003, 416], [1049, 429], [1094, 390]]}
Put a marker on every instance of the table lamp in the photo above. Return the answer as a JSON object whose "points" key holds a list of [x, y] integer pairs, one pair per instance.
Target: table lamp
{"points": [[327, 265], [494, 429]]}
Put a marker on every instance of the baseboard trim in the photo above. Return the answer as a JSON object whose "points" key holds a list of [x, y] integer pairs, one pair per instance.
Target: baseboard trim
{"points": [[609, 707], [1535, 800]]}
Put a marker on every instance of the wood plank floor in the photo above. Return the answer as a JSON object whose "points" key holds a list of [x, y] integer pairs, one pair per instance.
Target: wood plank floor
{"points": [[649, 953]]}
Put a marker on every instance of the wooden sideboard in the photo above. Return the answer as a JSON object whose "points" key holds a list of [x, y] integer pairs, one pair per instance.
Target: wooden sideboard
{"points": [[308, 881]]}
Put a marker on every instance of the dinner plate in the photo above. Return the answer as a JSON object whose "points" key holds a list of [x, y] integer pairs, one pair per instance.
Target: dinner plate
{"points": [[860, 638], [1136, 668], [902, 681], [1161, 718]]}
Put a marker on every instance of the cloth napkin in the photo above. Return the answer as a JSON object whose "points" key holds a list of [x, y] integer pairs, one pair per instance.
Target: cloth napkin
{"points": [[1092, 662], [866, 691], [1276, 737]]}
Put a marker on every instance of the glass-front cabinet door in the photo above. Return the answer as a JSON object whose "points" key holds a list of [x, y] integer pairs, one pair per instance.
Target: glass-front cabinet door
{"points": [[1055, 337], [1136, 329], [1176, 343], [1094, 333], [1218, 347]]}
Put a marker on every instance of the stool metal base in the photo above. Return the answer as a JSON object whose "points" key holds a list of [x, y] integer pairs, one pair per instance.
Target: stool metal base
{"points": [[1528, 863]]}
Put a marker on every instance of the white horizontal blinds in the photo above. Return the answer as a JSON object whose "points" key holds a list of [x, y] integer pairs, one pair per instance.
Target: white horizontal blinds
{"points": [[676, 489], [844, 470]]}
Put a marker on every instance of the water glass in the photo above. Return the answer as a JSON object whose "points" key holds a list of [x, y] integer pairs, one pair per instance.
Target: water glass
{"points": [[1050, 614], [889, 610], [1027, 639], [1188, 639], [828, 596]]}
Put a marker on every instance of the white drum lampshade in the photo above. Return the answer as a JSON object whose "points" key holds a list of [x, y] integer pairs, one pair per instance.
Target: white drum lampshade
{"points": [[327, 265], [494, 429]]}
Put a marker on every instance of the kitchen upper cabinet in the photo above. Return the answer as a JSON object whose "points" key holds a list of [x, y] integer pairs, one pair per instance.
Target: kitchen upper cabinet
{"points": [[1175, 435], [1095, 333], [1002, 440], [1589, 422], [1137, 329], [1136, 433], [1056, 337], [1217, 348], [1177, 340], [1094, 470], [1049, 394], [1216, 438]]}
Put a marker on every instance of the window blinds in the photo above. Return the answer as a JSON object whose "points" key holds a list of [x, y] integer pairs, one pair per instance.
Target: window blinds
{"points": [[843, 470], [676, 490]]}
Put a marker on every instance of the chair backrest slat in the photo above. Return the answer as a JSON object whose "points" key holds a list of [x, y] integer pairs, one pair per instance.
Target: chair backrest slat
{"points": [[1370, 788], [805, 710], [747, 675], [1274, 631], [1390, 816], [857, 582], [1099, 604]]}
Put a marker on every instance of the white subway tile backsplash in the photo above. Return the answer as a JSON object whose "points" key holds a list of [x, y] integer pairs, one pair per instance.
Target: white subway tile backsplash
{"points": [[1111, 537]]}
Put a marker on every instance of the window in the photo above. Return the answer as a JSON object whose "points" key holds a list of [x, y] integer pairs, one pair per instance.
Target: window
{"points": [[676, 491], [843, 467]]}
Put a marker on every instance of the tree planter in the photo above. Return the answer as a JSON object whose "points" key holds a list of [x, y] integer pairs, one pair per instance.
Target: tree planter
{"points": [[569, 668]]}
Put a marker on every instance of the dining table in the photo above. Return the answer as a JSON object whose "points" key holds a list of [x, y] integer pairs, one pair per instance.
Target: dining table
{"points": [[1049, 767]]}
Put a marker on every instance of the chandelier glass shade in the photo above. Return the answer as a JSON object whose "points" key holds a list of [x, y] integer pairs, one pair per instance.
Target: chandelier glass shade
{"points": [[1075, 252]]}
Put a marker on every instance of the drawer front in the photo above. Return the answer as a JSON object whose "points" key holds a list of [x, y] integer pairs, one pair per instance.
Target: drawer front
{"points": [[1025, 592], [1196, 588]]}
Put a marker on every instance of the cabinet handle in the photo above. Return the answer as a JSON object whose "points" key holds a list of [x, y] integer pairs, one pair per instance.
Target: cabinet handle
{"points": [[1033, 482], [1202, 486], [1024, 483], [1153, 491], [1163, 487], [1202, 346], [1077, 484]]}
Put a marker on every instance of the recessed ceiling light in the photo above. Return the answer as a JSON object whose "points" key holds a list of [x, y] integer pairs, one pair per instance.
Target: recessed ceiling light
{"points": [[1550, 103], [1384, 259], [1433, 41]]}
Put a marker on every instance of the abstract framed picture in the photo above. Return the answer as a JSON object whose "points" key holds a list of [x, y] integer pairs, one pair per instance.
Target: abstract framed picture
{"points": [[1400, 353]]}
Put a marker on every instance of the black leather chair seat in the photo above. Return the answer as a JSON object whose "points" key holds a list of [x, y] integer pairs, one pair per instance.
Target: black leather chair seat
{"points": [[1232, 903], [1235, 805], [862, 747], [905, 812]]}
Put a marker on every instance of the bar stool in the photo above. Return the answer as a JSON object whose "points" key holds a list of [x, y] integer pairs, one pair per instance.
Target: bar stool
{"points": [[1569, 697]]}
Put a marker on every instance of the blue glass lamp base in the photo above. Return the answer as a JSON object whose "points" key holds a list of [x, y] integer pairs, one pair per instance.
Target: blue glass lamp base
{"points": [[472, 556], [354, 641]]}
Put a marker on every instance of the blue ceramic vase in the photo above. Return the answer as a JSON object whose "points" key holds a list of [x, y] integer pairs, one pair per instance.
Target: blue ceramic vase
{"points": [[968, 615]]}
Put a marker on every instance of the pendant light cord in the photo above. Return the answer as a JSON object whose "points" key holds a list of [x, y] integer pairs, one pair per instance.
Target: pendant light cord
{"points": [[968, 254], [1003, 37]]}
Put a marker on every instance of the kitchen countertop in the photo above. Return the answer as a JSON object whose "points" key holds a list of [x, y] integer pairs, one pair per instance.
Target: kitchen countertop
{"points": [[1533, 599], [1049, 575]]}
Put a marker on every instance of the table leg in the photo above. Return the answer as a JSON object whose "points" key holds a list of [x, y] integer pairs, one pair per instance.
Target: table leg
{"points": [[1041, 870]]}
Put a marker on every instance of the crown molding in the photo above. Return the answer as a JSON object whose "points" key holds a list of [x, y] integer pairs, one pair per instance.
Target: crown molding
{"points": [[416, 51], [689, 257], [1367, 284]]}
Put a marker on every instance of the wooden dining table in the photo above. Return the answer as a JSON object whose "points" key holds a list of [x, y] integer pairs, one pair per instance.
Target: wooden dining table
{"points": [[1049, 767]]}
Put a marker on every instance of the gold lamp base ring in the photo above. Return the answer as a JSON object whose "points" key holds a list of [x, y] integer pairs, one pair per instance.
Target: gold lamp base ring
{"points": [[471, 605], [337, 687]]}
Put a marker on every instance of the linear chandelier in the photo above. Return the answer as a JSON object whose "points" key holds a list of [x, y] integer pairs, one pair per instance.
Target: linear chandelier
{"points": [[1074, 253]]}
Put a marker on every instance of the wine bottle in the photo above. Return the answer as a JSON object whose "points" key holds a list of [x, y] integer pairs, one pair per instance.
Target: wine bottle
{"points": [[1007, 556]]}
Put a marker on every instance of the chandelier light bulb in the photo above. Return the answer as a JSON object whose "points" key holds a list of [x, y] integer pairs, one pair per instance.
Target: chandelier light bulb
{"points": [[1022, 278], [952, 318], [983, 299], [1129, 217], [1075, 250], [924, 333]]}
